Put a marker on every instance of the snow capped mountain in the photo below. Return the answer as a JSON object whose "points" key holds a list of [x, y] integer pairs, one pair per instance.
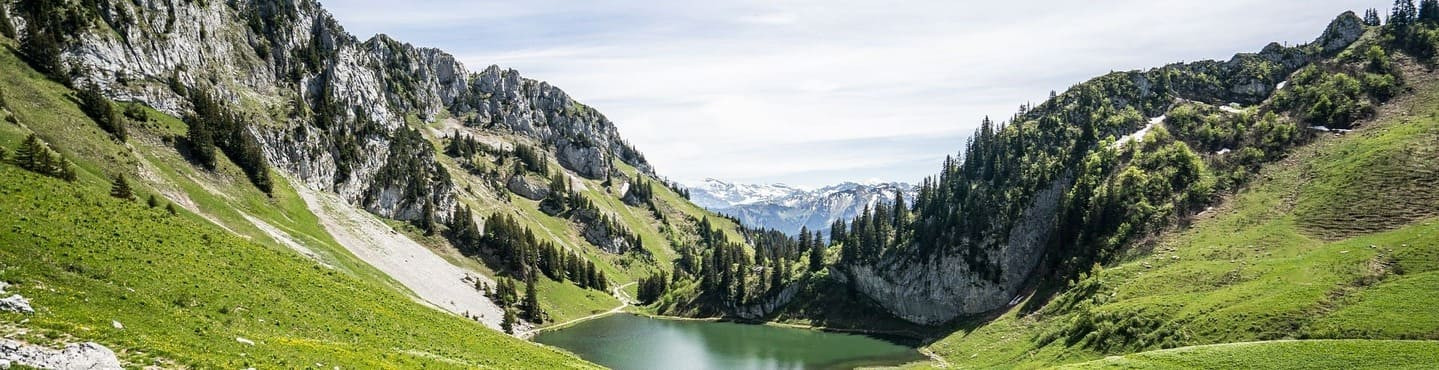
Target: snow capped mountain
{"points": [[788, 208]]}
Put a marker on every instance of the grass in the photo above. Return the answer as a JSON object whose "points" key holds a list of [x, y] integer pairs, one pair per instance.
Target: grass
{"points": [[185, 290], [1307, 251], [1308, 354]]}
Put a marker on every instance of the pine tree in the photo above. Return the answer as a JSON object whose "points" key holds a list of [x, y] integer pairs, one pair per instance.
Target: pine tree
{"points": [[427, 218], [7, 28], [1371, 17], [1429, 12], [120, 188], [532, 302], [152, 202], [170, 207], [508, 324], [29, 154], [816, 256]]}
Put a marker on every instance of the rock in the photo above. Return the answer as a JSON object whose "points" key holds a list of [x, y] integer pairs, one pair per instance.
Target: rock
{"points": [[242, 340], [527, 187], [1341, 32], [585, 160], [770, 304], [16, 303], [938, 289], [117, 325], [88, 355], [213, 50]]}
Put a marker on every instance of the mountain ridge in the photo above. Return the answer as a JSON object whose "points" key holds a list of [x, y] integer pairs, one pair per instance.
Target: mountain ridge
{"points": [[790, 209]]}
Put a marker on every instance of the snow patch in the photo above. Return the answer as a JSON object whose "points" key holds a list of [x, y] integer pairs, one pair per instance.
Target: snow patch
{"points": [[1139, 135]]}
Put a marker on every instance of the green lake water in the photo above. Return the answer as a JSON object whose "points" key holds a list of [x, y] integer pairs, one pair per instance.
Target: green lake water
{"points": [[625, 341]]}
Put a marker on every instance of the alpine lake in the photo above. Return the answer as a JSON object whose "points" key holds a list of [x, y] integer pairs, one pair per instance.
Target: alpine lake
{"points": [[627, 341]]}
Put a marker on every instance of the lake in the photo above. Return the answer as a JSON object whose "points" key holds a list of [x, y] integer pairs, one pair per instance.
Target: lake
{"points": [[625, 341]]}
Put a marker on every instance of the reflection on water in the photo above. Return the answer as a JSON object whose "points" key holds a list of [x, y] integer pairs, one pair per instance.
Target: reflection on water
{"points": [[632, 342]]}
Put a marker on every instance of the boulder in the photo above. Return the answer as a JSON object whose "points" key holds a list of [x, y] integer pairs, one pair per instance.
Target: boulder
{"points": [[16, 303], [527, 187], [88, 355]]}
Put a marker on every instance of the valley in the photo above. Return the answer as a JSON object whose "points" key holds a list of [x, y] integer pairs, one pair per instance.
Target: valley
{"points": [[244, 184]]}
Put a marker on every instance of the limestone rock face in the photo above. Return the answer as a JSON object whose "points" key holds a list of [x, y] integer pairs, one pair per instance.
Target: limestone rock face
{"points": [[326, 107], [769, 304], [937, 290], [1342, 31]]}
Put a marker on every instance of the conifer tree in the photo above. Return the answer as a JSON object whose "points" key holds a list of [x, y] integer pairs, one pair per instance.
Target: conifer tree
{"points": [[28, 156], [816, 256], [508, 324], [120, 188], [95, 105], [1429, 12], [7, 28], [532, 301], [170, 207]]}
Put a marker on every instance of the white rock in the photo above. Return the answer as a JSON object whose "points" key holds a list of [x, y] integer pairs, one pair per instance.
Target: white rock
{"points": [[86, 355], [117, 324], [242, 340], [16, 303]]}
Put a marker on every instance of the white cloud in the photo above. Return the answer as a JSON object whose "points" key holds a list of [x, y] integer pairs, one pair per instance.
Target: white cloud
{"points": [[760, 91]]}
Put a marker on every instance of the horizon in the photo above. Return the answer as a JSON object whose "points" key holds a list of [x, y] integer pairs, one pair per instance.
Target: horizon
{"points": [[759, 93]]}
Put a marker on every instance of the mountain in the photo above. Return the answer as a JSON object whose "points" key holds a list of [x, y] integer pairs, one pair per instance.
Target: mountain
{"points": [[341, 191], [789, 209], [244, 184]]}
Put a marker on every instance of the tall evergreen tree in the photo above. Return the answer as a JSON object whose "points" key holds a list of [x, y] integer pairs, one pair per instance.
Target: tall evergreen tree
{"points": [[509, 321], [816, 256], [1428, 12], [7, 28], [1371, 17], [120, 188], [532, 302]]}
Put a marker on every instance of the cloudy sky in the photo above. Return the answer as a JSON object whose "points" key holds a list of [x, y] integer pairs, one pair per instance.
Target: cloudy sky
{"points": [[814, 92]]}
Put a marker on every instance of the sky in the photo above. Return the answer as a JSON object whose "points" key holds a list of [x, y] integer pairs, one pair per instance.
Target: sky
{"points": [[816, 92]]}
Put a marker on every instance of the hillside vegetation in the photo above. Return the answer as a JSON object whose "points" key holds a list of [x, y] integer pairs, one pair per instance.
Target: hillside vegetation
{"points": [[1328, 255]]}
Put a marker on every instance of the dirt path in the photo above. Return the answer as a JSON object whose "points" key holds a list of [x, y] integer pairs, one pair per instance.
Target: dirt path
{"points": [[432, 279], [619, 294]]}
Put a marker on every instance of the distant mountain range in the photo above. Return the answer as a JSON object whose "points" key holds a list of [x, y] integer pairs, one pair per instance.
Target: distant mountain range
{"points": [[789, 208]]}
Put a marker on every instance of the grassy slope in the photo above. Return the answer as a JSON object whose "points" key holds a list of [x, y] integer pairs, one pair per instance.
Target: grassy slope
{"points": [[215, 280], [1257, 268], [1310, 354], [185, 290]]}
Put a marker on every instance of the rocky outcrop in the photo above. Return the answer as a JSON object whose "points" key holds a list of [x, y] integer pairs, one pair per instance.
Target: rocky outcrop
{"points": [[16, 303], [1341, 32], [767, 305], [936, 290], [596, 232], [86, 355], [528, 187], [326, 107]]}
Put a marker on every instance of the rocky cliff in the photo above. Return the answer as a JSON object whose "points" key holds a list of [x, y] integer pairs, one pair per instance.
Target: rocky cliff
{"points": [[328, 109]]}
